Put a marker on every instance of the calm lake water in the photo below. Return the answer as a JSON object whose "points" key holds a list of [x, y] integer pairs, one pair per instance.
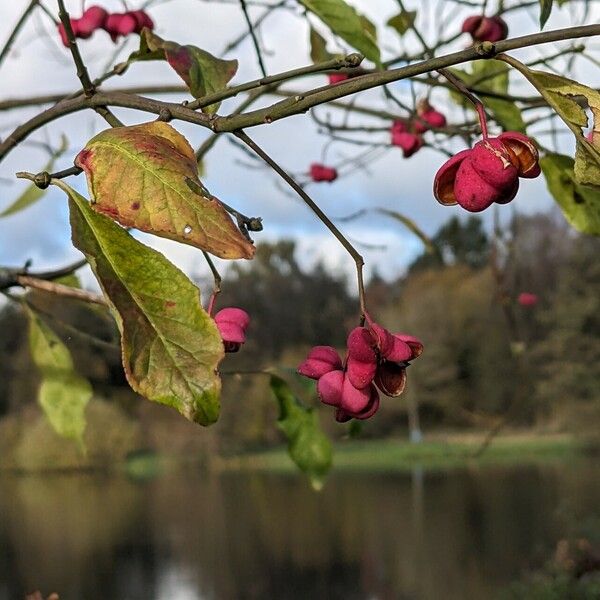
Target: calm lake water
{"points": [[461, 534]]}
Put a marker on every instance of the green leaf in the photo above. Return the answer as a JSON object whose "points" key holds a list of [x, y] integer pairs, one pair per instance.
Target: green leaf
{"points": [[33, 193], [308, 446], [344, 21], [63, 393], [545, 10], [403, 21], [171, 347], [491, 76], [580, 204], [146, 176], [202, 72], [561, 94], [318, 47]]}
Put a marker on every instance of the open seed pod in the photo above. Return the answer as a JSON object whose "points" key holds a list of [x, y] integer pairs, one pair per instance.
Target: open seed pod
{"points": [[391, 378], [524, 154]]}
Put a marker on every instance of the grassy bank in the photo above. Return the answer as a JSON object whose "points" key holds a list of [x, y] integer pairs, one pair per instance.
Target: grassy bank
{"points": [[438, 452]]}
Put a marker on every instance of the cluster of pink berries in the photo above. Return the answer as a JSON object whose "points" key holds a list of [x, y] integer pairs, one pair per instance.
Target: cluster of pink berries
{"points": [[115, 24], [375, 359], [487, 173], [485, 29], [232, 324], [408, 136]]}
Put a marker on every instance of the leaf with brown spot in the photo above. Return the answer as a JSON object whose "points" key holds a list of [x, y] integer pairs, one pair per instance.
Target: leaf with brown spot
{"points": [[171, 347], [202, 72], [139, 176]]}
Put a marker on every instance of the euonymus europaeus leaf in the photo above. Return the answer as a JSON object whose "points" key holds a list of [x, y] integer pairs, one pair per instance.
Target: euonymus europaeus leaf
{"points": [[146, 177], [545, 10], [171, 347], [403, 21], [344, 21], [202, 72], [580, 204], [568, 99], [63, 393], [308, 446], [318, 47]]}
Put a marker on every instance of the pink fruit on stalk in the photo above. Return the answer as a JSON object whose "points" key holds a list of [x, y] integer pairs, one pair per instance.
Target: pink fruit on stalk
{"points": [[329, 387], [124, 24], [320, 360], [429, 117], [485, 29], [527, 299], [415, 344], [362, 359], [319, 172], [354, 400], [487, 173], [409, 142], [337, 77], [232, 324], [342, 415], [93, 18], [142, 19], [375, 359]]}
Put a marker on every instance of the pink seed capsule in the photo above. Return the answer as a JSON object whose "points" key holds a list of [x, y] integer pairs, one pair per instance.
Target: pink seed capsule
{"points": [[232, 324], [320, 172], [329, 388], [320, 360], [409, 142]]}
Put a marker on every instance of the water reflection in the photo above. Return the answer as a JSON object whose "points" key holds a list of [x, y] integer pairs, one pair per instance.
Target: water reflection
{"points": [[453, 535]]}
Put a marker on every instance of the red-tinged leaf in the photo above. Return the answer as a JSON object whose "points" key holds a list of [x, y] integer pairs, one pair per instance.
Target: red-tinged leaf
{"points": [[202, 72], [171, 347], [145, 177]]}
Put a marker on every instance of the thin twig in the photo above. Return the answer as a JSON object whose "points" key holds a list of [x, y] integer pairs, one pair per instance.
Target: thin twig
{"points": [[349, 62], [254, 38], [358, 259], [217, 282], [295, 105], [60, 290], [17, 28]]}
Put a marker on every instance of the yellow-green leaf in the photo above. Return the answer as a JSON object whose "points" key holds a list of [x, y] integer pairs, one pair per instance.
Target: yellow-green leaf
{"points": [[202, 72], [63, 393], [308, 446], [344, 21], [33, 193], [580, 204], [146, 177], [171, 347], [403, 21], [562, 94], [318, 47]]}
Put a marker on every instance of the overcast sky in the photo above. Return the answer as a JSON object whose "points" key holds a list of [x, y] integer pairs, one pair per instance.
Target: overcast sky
{"points": [[38, 64]]}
